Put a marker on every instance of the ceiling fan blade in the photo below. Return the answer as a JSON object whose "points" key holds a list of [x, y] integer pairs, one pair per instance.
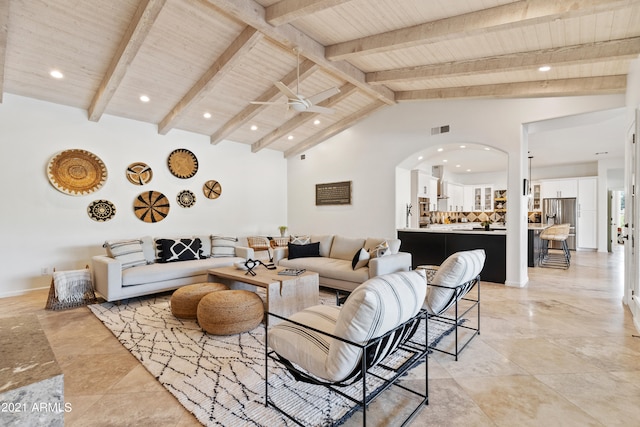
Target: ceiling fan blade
{"points": [[318, 109], [285, 89], [319, 97], [265, 103]]}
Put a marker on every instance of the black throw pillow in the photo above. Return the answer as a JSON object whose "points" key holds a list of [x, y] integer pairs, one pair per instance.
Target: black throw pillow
{"points": [[179, 249], [304, 251]]}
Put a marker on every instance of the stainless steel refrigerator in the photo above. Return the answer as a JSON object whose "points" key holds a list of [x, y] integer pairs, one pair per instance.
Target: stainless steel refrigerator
{"points": [[561, 211]]}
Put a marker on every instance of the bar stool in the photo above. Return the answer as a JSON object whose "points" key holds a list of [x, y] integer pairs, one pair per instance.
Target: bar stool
{"points": [[555, 233]]}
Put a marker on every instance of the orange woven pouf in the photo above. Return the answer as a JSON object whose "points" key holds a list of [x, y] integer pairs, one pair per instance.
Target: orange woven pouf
{"points": [[184, 301], [230, 312]]}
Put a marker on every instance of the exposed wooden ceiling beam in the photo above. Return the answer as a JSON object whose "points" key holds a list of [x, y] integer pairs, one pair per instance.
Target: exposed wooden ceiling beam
{"points": [[570, 55], [543, 88], [519, 13], [136, 33], [4, 31], [250, 111], [286, 11], [253, 14], [247, 39], [334, 129], [346, 90]]}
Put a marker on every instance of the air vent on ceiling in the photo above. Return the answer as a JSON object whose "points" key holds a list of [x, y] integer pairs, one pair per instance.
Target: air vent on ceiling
{"points": [[440, 129]]}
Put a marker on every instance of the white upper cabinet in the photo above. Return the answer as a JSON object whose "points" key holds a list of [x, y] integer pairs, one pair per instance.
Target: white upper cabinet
{"points": [[556, 188], [587, 194]]}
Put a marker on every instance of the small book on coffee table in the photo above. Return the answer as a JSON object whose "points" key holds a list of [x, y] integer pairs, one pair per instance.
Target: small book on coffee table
{"points": [[291, 271]]}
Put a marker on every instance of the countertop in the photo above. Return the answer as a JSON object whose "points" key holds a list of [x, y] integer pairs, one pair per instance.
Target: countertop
{"points": [[538, 226], [462, 228], [458, 229]]}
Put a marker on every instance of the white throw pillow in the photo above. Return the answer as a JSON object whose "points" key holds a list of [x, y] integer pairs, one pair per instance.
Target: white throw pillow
{"points": [[381, 250], [360, 259], [300, 240]]}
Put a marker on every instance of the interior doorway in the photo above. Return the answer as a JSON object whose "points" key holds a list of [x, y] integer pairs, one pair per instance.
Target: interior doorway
{"points": [[615, 213]]}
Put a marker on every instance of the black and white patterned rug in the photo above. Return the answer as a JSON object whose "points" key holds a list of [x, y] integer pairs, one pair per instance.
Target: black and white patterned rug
{"points": [[220, 379]]}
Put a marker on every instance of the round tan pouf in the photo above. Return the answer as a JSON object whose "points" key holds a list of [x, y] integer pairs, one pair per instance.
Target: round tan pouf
{"points": [[184, 301], [230, 312]]}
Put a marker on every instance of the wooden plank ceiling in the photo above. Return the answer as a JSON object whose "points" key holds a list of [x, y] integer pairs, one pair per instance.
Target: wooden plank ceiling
{"points": [[192, 57]]}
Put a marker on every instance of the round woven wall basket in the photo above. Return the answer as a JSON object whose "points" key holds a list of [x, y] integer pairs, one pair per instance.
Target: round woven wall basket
{"points": [[151, 206], [212, 189], [76, 172], [182, 163], [139, 173]]}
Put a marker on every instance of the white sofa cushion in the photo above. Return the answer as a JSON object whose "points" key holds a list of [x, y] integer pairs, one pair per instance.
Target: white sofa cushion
{"points": [[325, 243], [331, 268], [457, 269], [160, 272], [345, 247]]}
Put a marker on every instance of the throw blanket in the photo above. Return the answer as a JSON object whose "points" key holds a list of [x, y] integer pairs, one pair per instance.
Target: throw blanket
{"points": [[72, 285]]}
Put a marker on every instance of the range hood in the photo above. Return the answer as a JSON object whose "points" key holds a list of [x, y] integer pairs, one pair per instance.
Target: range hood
{"points": [[438, 172]]}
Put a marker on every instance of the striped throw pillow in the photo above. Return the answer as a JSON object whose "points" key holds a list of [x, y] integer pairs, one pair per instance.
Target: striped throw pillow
{"points": [[128, 252]]}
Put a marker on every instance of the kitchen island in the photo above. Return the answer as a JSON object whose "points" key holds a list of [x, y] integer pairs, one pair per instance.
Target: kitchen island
{"points": [[534, 244], [431, 246]]}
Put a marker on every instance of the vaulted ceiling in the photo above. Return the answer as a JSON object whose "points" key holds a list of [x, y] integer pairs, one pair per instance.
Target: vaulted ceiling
{"points": [[192, 57]]}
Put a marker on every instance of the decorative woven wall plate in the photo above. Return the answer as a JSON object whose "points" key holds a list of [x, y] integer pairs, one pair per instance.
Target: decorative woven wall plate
{"points": [[212, 189], [76, 172], [139, 173], [151, 206], [186, 198], [101, 210], [182, 163]]}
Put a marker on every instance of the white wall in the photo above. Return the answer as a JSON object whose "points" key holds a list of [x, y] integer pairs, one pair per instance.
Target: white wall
{"points": [[369, 152], [42, 227]]}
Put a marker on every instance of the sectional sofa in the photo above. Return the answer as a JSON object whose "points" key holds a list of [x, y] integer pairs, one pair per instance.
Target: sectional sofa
{"points": [[148, 265]]}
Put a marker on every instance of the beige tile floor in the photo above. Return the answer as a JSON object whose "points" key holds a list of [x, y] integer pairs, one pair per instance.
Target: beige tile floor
{"points": [[557, 352]]}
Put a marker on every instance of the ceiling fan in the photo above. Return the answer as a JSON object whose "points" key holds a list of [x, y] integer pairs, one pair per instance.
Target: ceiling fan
{"points": [[301, 103]]}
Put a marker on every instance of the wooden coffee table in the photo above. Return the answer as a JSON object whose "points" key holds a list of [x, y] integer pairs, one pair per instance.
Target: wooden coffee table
{"points": [[285, 294]]}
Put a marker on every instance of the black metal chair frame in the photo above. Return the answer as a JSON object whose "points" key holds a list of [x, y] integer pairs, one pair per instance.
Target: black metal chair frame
{"points": [[461, 292], [415, 350]]}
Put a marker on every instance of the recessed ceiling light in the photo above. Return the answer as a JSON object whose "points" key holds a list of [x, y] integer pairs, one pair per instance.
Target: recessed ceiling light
{"points": [[254, 127], [207, 115], [457, 166], [463, 146], [290, 137], [445, 161], [420, 158], [544, 68], [144, 98], [56, 74], [440, 149], [487, 148], [468, 170], [316, 122]]}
